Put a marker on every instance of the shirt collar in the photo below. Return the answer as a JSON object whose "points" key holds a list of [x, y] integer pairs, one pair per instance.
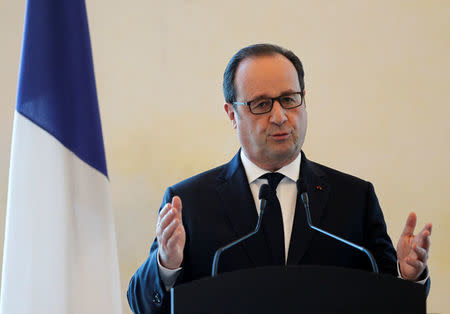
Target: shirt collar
{"points": [[253, 172]]}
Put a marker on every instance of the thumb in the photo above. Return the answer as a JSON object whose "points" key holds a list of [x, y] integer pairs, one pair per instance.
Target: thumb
{"points": [[410, 225]]}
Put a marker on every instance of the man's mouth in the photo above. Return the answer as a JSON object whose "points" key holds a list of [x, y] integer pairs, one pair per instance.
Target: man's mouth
{"points": [[279, 136]]}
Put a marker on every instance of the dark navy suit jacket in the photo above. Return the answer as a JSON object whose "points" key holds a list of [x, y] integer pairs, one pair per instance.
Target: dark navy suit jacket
{"points": [[218, 207]]}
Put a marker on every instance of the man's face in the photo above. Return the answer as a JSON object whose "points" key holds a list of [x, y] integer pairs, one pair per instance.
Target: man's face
{"points": [[274, 139]]}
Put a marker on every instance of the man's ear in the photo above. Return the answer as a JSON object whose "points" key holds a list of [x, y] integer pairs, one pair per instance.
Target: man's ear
{"points": [[232, 115]]}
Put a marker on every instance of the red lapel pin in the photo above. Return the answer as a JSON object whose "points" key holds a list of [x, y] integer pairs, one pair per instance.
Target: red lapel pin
{"points": [[319, 187]]}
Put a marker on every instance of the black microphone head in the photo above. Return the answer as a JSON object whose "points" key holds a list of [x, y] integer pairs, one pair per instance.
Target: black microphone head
{"points": [[301, 186], [265, 192]]}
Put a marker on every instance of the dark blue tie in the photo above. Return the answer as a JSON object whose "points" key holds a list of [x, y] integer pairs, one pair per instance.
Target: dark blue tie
{"points": [[273, 220]]}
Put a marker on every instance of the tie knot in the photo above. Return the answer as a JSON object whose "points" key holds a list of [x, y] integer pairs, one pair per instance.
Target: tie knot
{"points": [[274, 178]]}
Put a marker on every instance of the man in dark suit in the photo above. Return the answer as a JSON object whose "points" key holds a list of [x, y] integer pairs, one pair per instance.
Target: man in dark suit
{"points": [[264, 93]]}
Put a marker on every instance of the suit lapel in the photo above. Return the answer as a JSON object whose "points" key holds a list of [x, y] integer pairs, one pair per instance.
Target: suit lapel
{"points": [[318, 192], [239, 206]]}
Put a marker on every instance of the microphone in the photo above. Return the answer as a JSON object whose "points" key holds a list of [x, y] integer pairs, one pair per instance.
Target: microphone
{"points": [[301, 187], [264, 194]]}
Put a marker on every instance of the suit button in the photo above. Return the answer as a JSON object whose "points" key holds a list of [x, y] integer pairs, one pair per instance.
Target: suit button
{"points": [[156, 298]]}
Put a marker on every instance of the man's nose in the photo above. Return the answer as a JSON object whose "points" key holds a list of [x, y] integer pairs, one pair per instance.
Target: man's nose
{"points": [[278, 113]]}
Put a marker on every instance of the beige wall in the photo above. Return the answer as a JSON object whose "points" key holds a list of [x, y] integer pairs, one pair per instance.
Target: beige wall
{"points": [[377, 79]]}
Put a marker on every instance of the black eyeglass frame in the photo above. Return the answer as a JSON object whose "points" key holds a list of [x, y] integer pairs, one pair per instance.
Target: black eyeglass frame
{"points": [[247, 103]]}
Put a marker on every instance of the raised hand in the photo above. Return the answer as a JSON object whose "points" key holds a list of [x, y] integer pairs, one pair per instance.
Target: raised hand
{"points": [[412, 250], [171, 234]]}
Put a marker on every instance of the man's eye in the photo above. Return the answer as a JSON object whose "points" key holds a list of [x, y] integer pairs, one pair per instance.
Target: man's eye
{"points": [[287, 100], [262, 103]]}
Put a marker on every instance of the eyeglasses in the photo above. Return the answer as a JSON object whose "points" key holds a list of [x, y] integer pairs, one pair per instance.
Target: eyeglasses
{"points": [[265, 105]]}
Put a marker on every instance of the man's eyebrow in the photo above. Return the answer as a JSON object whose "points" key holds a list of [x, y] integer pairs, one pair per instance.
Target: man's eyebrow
{"points": [[288, 92], [284, 93]]}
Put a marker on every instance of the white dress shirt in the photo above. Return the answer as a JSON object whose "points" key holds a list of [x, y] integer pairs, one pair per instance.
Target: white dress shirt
{"points": [[286, 191]]}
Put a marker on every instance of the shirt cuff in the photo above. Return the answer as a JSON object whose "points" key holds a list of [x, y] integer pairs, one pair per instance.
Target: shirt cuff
{"points": [[425, 274], [168, 276]]}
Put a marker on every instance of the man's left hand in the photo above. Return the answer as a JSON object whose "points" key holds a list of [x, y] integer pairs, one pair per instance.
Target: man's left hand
{"points": [[412, 250]]}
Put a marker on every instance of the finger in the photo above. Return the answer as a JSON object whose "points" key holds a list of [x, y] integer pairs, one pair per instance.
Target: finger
{"points": [[415, 263], [410, 225], [425, 243], [176, 238], [164, 221], [168, 232], [422, 254], [176, 203], [423, 237], [164, 210], [426, 229]]}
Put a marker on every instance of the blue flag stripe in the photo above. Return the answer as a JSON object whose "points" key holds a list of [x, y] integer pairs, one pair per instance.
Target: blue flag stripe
{"points": [[56, 79]]}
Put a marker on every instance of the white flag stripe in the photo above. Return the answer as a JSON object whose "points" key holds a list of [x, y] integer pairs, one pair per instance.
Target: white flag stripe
{"points": [[59, 210]]}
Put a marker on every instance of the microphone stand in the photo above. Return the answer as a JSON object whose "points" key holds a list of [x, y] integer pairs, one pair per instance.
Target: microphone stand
{"points": [[305, 200], [263, 191]]}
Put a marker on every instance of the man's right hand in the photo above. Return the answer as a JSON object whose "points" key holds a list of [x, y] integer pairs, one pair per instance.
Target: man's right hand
{"points": [[171, 234]]}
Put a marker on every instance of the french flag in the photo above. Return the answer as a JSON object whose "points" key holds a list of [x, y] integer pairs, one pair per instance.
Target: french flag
{"points": [[60, 253]]}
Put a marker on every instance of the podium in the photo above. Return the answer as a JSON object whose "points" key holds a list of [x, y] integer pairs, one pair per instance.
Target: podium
{"points": [[298, 289]]}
